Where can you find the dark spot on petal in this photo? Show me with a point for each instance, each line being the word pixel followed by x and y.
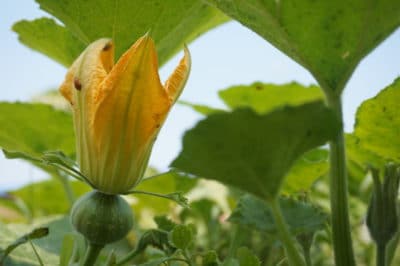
pixel 158 126
pixel 77 84
pixel 107 46
pixel 156 117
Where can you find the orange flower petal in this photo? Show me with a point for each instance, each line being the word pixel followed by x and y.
pixel 175 83
pixel 80 88
pixel 132 106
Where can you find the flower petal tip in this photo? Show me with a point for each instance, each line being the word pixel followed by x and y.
pixel 177 81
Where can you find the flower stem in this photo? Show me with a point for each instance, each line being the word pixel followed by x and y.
pixel 341 235
pixel 91 255
pixel 381 255
pixel 292 253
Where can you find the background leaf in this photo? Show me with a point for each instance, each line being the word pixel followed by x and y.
pixel 23 255
pixel 181 236
pixel 301 217
pixel 166 183
pixel 246 257
pixel 171 22
pixel 49 38
pixel 265 97
pixel 36 196
pixel 306 170
pixel 201 108
pixel 329 38
pixel 378 123
pixel 35 128
pixel 254 152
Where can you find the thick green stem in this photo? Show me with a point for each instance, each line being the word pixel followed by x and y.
pixel 292 253
pixel 381 255
pixel 341 235
pixel 91 255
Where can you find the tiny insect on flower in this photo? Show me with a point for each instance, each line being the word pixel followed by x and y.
pixel 118 110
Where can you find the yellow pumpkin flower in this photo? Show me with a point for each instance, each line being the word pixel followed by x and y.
pixel 118 110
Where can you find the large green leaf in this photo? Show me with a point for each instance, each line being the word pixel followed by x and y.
pixel 359 158
pixel 49 38
pixel 378 123
pixel 263 98
pixel 329 38
pixel 300 216
pixel 35 128
pixel 172 23
pixel 254 152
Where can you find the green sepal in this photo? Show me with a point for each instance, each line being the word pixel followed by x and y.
pixel 382 216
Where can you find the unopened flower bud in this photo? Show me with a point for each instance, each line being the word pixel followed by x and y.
pixel 382 220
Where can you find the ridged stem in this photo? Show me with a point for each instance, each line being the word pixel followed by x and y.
pixel 381 255
pixel 341 235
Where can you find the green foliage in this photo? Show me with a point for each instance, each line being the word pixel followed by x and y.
pixel 306 170
pixel 170 185
pixel 156 238
pixel 264 98
pixel 24 255
pixel 49 38
pixel 36 233
pixel 35 128
pixel 172 23
pixel 67 250
pixel 378 123
pixel 201 108
pixel 164 223
pixel 329 38
pixel 181 236
pixel 246 257
pixel 254 152
pixel 301 217
pixel 210 259
pixel 36 196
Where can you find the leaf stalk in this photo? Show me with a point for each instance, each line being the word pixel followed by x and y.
pixel 292 253
pixel 341 234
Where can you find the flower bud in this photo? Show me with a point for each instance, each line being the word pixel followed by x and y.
pixel 382 219
pixel 102 218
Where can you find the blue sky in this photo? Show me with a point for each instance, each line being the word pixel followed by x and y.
pixel 228 55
